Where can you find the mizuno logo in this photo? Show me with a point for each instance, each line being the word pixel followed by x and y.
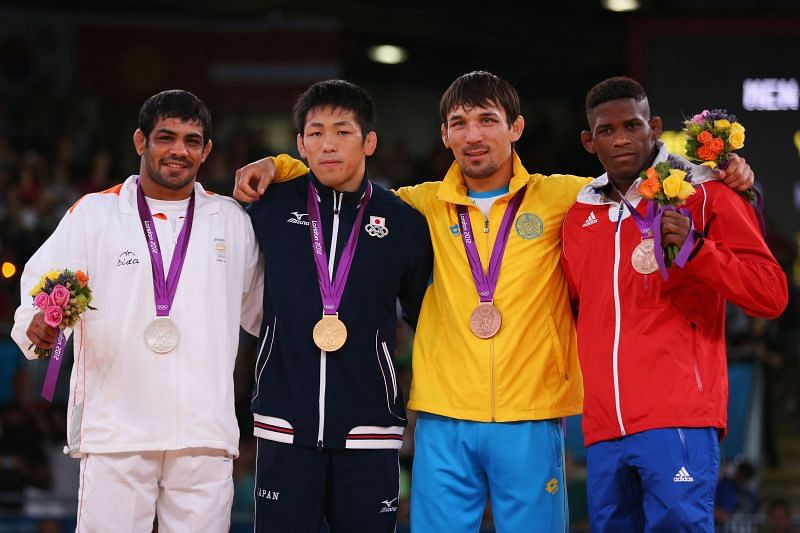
pixel 591 219
pixel 389 506
pixel 297 218
pixel 683 476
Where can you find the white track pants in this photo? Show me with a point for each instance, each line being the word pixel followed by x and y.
pixel 191 490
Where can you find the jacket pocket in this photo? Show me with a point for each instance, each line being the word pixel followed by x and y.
pixel 264 351
pixel 388 374
pixel 697 374
pixel 557 347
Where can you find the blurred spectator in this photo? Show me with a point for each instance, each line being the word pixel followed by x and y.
pixel 779 517
pixel 736 496
pixel 23 462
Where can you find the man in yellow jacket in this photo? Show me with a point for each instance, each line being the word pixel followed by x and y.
pixel 495 364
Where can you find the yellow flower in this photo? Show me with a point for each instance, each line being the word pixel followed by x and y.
pixel 686 191
pixel 672 183
pixel 722 124
pixel 52 275
pixel 736 137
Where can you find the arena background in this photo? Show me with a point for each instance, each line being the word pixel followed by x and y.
pixel 72 79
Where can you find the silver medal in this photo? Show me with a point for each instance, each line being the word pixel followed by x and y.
pixel 161 335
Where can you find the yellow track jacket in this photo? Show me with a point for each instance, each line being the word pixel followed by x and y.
pixel 529 370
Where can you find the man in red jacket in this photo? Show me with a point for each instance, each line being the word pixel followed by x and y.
pixel 652 352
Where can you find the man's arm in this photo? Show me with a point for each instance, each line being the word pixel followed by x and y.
pixel 253 284
pixel 416 278
pixel 65 248
pixel 732 257
pixel 253 179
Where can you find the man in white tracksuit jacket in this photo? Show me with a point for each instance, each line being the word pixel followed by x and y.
pixel 154 430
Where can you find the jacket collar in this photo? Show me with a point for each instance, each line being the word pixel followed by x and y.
pixel 453 189
pixel 594 193
pixel 326 194
pixel 204 203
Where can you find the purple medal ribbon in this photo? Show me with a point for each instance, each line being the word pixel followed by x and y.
pixel 56 355
pixel 650 226
pixel 486 282
pixel 331 291
pixel 164 290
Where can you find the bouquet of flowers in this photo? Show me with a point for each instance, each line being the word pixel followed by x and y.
pixel 63 296
pixel 667 188
pixel 711 136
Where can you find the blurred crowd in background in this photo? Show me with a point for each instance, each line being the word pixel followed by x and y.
pixel 54 149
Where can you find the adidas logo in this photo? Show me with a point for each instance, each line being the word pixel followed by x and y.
pixel 591 219
pixel 683 476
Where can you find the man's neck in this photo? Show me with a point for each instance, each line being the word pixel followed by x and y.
pixel 623 184
pixel 155 191
pixel 501 178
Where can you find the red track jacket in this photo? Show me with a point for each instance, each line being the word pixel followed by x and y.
pixel 653 352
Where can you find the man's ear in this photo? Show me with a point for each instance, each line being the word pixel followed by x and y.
pixel 206 151
pixel 445 139
pixel 370 143
pixel 139 141
pixel 657 127
pixel 301 147
pixel 517 127
pixel 588 141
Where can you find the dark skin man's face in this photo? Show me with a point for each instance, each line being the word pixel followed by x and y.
pixel 623 136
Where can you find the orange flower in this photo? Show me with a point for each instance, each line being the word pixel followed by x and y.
pixel 82 277
pixel 706 153
pixel 651 185
pixel 705 136
pixel 716 144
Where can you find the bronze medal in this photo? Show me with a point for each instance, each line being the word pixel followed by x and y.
pixel 330 333
pixel 643 257
pixel 485 320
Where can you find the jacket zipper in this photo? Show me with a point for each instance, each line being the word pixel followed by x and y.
pixel 617 319
pixel 323 355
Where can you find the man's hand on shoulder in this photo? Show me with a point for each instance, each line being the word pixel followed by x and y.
pixel 738 176
pixel 253 179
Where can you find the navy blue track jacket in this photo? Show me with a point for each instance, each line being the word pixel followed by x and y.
pixel 348 398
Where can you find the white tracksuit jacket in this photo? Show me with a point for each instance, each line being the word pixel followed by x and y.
pixel 124 397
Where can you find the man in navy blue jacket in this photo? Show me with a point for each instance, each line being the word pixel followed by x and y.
pixel 339 251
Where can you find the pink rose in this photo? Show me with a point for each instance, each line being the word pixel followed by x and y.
pixel 701 117
pixel 53 316
pixel 60 296
pixel 42 300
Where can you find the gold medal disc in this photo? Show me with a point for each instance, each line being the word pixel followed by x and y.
pixel 330 333
pixel 485 320
pixel 643 257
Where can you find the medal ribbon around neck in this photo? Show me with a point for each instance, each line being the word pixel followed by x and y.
pixel 164 289
pixel 486 282
pixel 331 290
pixel 650 226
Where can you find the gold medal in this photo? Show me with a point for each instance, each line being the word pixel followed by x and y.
pixel 485 320
pixel 643 257
pixel 330 333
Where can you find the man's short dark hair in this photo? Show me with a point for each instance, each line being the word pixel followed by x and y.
pixel 616 88
pixel 337 95
pixel 479 89
pixel 175 103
